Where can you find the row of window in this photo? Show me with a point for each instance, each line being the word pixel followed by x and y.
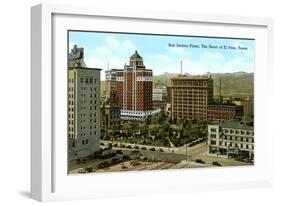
pixel 190 93
pixel 190 110
pixel 90 108
pixel 91 88
pixel 232 131
pixel 71 109
pixel 91 114
pixel 233 138
pixel 84 127
pixel 184 83
pixel 234 145
pixel 213 130
pixel 91 121
pixel 83 142
pixel 199 106
pixel 85 95
pixel 85 101
pixel 88 80
pixel 71 95
pixel 90 133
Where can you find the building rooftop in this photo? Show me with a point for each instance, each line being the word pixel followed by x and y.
pixel 136 55
pixel 215 104
pixel 242 124
pixel 113 70
pixel 187 77
pixel 84 68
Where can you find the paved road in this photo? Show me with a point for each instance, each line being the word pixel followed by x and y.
pixel 195 150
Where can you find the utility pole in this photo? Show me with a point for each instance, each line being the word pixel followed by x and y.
pixel 181 67
pixel 220 92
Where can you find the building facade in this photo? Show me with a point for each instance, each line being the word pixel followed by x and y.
pixel 110 110
pixel 160 104
pixel 111 82
pixel 134 90
pixel 83 109
pixel 169 94
pixel 190 97
pixel 232 139
pixel 248 106
pixel 159 94
pixel 110 113
pixel 220 112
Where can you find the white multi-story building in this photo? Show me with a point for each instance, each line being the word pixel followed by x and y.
pixel 83 110
pixel 232 139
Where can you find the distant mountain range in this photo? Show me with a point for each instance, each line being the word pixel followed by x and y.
pixel 238 84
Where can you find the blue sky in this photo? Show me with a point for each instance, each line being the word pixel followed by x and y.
pixel 159 54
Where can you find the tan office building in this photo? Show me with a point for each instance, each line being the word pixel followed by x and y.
pixel 191 96
pixel 83 108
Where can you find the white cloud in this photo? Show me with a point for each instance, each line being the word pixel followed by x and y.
pixel 163 57
pixel 212 56
pixel 102 51
pixel 177 50
pixel 112 44
pixel 113 51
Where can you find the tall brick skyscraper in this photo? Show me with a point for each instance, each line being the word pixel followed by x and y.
pixel 134 90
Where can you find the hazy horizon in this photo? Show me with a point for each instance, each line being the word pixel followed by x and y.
pixel 164 53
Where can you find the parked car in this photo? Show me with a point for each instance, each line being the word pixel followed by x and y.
pixel 89 169
pixel 103 165
pixel 216 164
pixel 199 161
pixel 115 160
pixel 124 167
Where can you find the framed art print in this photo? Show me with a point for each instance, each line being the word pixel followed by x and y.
pixel 138 102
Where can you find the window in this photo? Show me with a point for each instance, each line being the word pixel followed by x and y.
pixel 213 142
pixel 213 130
